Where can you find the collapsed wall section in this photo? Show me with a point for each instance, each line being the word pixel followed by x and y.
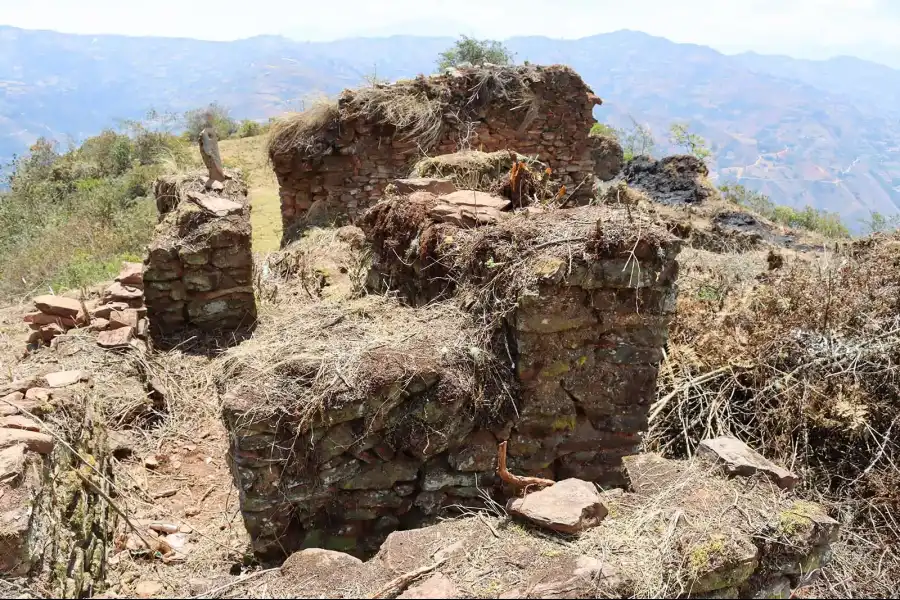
pixel 584 298
pixel 387 413
pixel 334 160
pixel 199 267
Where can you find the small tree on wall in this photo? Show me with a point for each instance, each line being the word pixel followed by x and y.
pixel 680 135
pixel 636 140
pixel 476 52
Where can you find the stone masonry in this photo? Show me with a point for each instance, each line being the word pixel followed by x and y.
pixel 199 266
pixel 342 168
pixel 586 342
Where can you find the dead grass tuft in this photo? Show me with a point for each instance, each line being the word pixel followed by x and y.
pixel 417 109
pixel 312 356
pixel 302 130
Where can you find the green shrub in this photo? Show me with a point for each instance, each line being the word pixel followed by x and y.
pixel 602 129
pixel 249 128
pixel 69 219
pixel 214 115
pixel 821 221
pixel 476 52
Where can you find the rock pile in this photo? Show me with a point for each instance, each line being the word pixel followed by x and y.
pixel 118 315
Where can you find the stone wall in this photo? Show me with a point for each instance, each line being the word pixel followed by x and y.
pixel 54 524
pixel 199 267
pixel 585 341
pixel 681 530
pixel 341 168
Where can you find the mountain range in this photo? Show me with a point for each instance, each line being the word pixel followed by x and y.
pixel 824 133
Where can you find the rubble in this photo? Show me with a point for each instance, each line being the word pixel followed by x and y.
pixel 680 538
pixel 120 306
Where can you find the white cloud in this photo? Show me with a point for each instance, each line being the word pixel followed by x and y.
pixel 790 26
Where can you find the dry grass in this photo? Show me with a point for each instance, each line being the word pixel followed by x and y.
pixel 418 109
pixel 470 169
pixel 301 130
pixel 416 114
pixel 800 362
pixel 331 354
pixel 497 266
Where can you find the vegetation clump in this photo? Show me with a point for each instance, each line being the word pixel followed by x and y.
pixel 69 219
pixel 813 219
pixel 474 52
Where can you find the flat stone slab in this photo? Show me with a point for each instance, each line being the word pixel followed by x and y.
pixel 123 318
pixel 19 422
pixel 739 459
pixel 436 586
pixel 221 207
pixel 12 462
pixel 472 199
pixel 649 473
pixel 424 184
pixel 32 440
pixel 119 292
pixel 132 273
pixel 115 338
pixel 569 506
pixel 57 305
pixel 65 378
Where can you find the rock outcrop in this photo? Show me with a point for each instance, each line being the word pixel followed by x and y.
pixel 679 179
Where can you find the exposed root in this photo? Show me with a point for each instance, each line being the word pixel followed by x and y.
pixel 517 481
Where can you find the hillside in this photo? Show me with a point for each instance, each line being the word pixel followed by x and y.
pixel 805 132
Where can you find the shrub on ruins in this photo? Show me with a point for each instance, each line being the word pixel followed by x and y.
pixel 603 130
pixel 475 52
pixel 248 128
pixel 636 140
pixel 68 219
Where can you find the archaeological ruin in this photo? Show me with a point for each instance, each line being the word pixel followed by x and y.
pixel 199 267
pixel 556 352
pixel 334 160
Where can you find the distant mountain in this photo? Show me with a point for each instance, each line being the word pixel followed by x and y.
pixel 825 133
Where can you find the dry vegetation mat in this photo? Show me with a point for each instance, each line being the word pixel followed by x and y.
pixel 800 361
pixel 415 108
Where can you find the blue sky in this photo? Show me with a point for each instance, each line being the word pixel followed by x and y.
pixel 803 28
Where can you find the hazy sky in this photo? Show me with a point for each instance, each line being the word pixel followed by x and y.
pixel 798 27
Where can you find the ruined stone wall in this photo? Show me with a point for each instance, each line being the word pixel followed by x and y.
pixel 343 169
pixel 54 524
pixel 199 266
pixel 586 341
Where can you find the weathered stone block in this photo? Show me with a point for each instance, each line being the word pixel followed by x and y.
pixel 200 256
